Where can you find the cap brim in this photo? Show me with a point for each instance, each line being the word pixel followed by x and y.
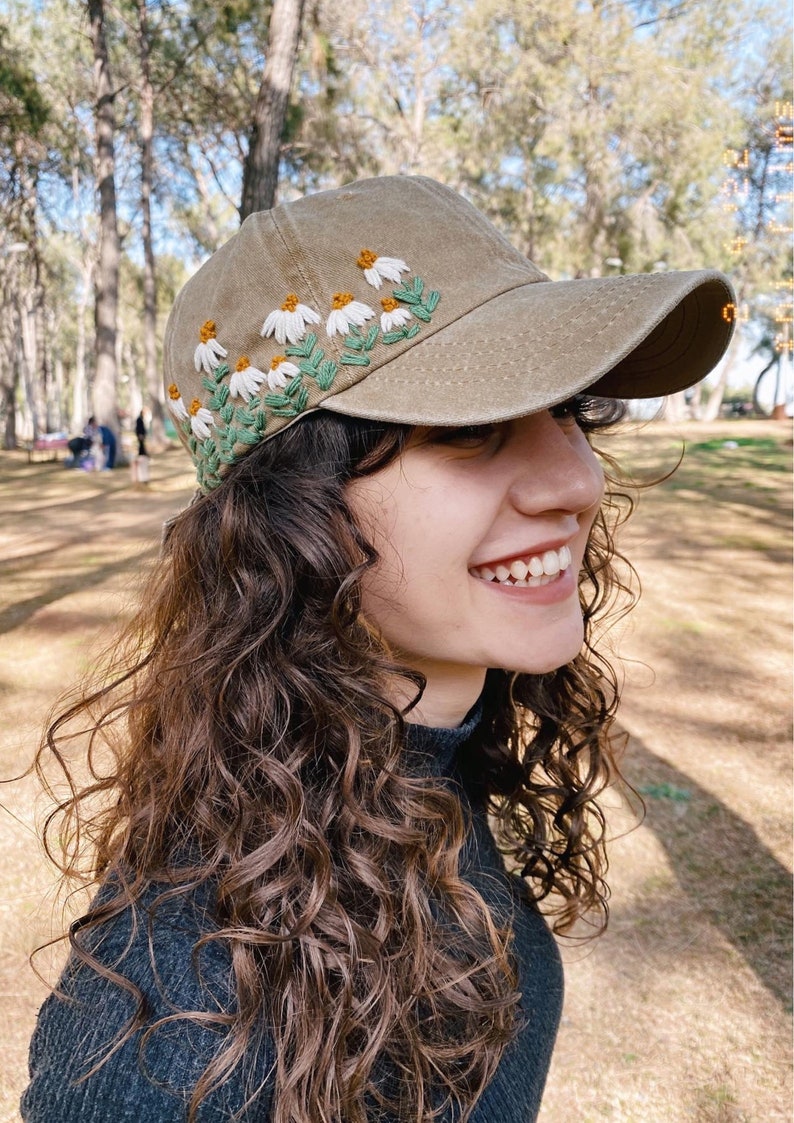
pixel 638 336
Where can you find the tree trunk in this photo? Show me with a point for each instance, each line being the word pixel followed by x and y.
pixel 107 279
pixel 153 383
pixel 260 172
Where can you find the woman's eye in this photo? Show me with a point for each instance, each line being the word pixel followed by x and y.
pixel 465 436
pixel 570 410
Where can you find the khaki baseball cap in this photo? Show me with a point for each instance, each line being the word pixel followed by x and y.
pixel 395 299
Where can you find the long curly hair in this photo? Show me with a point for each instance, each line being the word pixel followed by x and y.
pixel 242 740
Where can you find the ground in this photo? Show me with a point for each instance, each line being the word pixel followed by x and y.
pixel 681 1011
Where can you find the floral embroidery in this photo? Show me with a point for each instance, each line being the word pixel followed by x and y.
pixel 209 351
pixel 347 312
pixel 379 269
pixel 289 321
pixel 175 403
pixel 246 379
pixel 393 316
pixel 281 372
pixel 246 405
pixel 200 420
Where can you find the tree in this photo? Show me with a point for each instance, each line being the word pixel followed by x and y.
pixel 260 170
pixel 107 276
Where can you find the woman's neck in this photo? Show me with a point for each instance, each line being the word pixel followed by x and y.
pixel 449 695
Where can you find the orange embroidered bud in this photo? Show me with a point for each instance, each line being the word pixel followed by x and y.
pixel 173 392
pixel 389 304
pixel 290 302
pixel 243 362
pixel 366 259
pixel 207 331
pixel 195 406
pixel 277 360
pixel 341 300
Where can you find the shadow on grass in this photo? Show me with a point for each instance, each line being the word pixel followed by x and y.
pixel 721 864
pixel 20 612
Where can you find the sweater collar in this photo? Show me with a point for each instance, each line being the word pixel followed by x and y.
pixel 432 751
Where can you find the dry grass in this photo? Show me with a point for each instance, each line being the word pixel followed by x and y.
pixel 681 1011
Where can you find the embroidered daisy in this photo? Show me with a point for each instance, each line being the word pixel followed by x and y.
pixel 289 321
pixel 246 379
pixel 281 372
pixel 380 269
pixel 347 311
pixel 175 403
pixel 393 316
pixel 200 420
pixel 209 352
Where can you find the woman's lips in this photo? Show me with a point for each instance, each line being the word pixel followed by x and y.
pixel 526 571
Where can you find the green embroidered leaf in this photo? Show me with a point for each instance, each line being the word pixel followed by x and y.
pixel 286 411
pixel 372 336
pixel 355 343
pixel 228 457
pixel 208 384
pixel 219 398
pixel 244 416
pixel 302 399
pixel 248 437
pixel 260 420
pixel 192 444
pixel 209 446
pixel 418 285
pixel 292 387
pixel 226 413
pixel 421 313
pixel 308 367
pixel 407 296
pixel 394 336
pixel 302 350
pixel 433 298
pixel 413 330
pixel 354 360
pixel 277 401
pixel 326 374
pixel 221 370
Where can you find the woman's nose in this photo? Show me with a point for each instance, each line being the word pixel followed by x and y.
pixel 556 469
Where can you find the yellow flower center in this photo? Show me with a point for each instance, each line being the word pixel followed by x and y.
pixel 243 363
pixel 173 392
pixel 290 303
pixel 195 406
pixel 277 360
pixel 341 300
pixel 388 304
pixel 366 259
pixel 207 331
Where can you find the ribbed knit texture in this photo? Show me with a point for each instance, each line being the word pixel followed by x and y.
pixel 73 1033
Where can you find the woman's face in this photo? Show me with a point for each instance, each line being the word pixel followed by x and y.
pixel 481 533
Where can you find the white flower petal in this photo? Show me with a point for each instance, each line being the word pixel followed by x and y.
pixel 337 323
pixel 243 383
pixel 372 277
pixel 200 422
pixel 177 407
pixel 394 319
pixel 390 268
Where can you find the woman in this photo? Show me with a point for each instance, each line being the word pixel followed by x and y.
pixel 372 630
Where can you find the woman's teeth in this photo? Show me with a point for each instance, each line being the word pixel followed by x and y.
pixel 539 569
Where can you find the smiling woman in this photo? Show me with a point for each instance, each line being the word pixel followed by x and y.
pixel 364 683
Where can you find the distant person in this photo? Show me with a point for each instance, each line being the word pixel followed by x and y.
pixel 103 436
pixel 140 433
pixel 363 724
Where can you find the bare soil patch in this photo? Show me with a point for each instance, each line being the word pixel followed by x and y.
pixel 681 1012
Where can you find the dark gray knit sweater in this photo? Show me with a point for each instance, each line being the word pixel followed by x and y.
pixel 153 1085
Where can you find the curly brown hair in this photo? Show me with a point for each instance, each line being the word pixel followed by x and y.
pixel 243 740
